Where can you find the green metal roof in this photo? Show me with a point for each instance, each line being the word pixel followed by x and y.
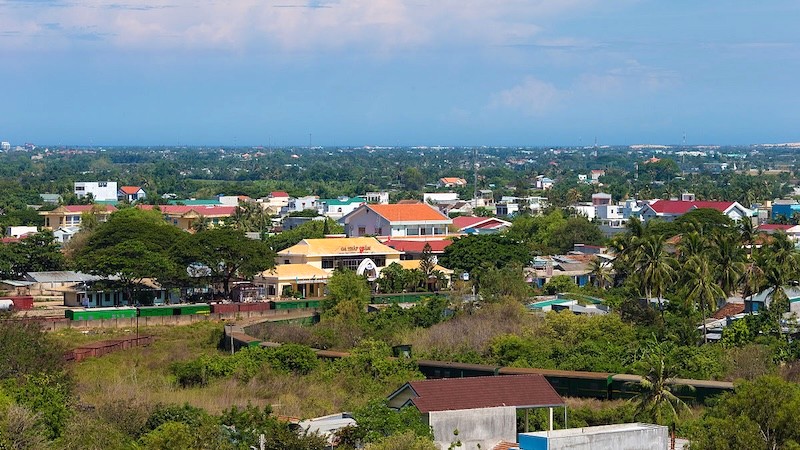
pixel 544 303
pixel 337 202
pixel 196 202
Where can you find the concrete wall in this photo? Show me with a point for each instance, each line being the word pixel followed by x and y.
pixel 486 426
pixel 53 324
pixel 649 437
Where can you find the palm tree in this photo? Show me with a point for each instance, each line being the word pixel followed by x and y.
pixel 701 287
pixel 747 235
pixel 624 247
pixel 729 257
pixel 691 246
pixel 655 268
pixel 656 399
pixel 600 272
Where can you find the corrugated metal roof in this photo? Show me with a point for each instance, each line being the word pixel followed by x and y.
pixel 61 276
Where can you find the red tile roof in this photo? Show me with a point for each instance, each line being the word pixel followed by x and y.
pixel 85 208
pixel 437 246
pixel 453 180
pixel 276 194
pixel 503 445
pixel 774 227
pixel 484 392
pixel 205 210
pixel 408 213
pixel 463 222
pixel 730 309
pixel 130 190
pixel 682 207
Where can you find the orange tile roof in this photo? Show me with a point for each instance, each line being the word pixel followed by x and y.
pixel 503 445
pixel 408 212
pixel 130 190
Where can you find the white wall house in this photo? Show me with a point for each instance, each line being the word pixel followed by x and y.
pixel 439 197
pixel 669 210
pixel 396 220
pixel 300 204
pixel 103 191
pixel 336 208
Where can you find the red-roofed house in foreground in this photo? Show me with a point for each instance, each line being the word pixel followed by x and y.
pixel 482 409
pixel 416 220
pixel 669 210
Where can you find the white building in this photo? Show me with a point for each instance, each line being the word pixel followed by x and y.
pixel 381 198
pixel 439 197
pixel 5 146
pixel 300 204
pixel 624 436
pixel 102 191
pixel 17 232
pixel 336 208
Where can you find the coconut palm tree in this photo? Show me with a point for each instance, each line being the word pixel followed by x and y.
pixel 729 258
pixel 747 235
pixel 655 268
pixel 600 273
pixel 701 288
pixel 656 399
pixel 692 245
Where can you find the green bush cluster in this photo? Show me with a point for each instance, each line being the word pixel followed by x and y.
pixel 245 364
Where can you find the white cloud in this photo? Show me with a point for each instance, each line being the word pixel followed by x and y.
pixel 280 24
pixel 532 96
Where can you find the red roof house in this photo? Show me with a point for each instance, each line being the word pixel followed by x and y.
pixel 483 409
pixel 669 210
pixel 130 193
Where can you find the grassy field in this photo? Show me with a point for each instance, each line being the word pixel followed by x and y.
pixel 142 376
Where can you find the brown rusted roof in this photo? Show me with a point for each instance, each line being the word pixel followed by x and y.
pixel 503 445
pixel 484 392
pixel 730 309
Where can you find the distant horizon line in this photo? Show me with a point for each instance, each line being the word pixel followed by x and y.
pixel 654 146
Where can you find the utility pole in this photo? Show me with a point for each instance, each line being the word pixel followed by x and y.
pixel 475 176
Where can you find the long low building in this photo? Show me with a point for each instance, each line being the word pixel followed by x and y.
pixel 304 268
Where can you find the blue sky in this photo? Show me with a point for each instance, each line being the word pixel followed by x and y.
pixel 399 72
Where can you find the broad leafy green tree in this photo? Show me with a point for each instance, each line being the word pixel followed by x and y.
pixel 227 253
pixel 133 245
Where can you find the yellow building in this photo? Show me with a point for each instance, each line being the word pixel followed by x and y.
pixel 306 266
pixel 71 215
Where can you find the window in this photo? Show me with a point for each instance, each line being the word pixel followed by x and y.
pixel 412 231
pixel 327 263
pixel 102 184
pixel 423 231
pixel 80 188
pixel 379 231
pixel 362 231
pixel 286 261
